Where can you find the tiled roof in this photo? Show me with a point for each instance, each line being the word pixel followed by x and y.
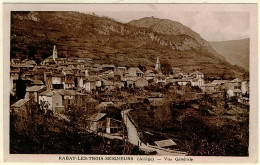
pixel 20 103
pixel 34 88
pixel 219 82
pixel 165 143
pixel 37 82
pixel 96 117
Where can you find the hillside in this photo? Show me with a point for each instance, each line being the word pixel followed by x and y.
pixel 235 51
pixel 169 27
pixel 33 35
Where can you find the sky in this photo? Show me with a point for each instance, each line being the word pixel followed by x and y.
pixel 212 22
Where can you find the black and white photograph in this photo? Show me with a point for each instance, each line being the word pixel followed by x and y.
pixel 131 79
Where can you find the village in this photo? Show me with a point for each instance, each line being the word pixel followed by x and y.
pixel 103 95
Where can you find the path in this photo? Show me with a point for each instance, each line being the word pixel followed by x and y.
pixel 133 138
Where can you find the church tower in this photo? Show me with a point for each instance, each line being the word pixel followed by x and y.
pixel 55 52
pixel 158 64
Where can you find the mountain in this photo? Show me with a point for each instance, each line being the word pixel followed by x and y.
pixel 105 40
pixel 169 27
pixel 235 51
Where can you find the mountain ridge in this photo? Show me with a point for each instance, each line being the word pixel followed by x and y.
pixel 166 26
pixel 235 51
pixel 33 35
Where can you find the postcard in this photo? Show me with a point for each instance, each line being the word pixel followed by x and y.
pixel 130 83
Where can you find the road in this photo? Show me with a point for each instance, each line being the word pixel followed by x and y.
pixel 133 138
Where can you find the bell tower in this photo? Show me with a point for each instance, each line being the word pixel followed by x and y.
pixel 55 52
pixel 158 64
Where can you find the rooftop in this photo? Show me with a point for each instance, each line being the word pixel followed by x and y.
pixel 165 143
pixel 96 116
pixel 34 88
pixel 20 103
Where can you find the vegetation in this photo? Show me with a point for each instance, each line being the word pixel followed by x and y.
pixel 107 41
pixel 201 126
pixel 42 133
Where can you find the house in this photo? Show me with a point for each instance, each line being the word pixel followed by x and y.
pixel 33 92
pixel 108 85
pixel 46 100
pixel 127 77
pixel 197 82
pixel 57 99
pixel 121 68
pixel 23 109
pixel 39 72
pixel 140 82
pixel 79 80
pixel 100 122
pixel 208 88
pixel 106 67
pixel 91 103
pixel 97 122
pixel 20 106
pixel 155 100
pixel 71 96
pixel 114 126
pixel 57 81
pixel 160 79
pixel 68 84
pixel 218 82
pixel 234 84
pixel 185 75
pixel 108 72
pixel 37 82
pixel 165 143
pixel 245 87
pixel 135 72
pixel 118 75
pixel 104 105
pixel 48 79
pixel 197 74
pixel 149 75
pixel 237 93
pixel 89 84
pixel 181 82
pixel 60 60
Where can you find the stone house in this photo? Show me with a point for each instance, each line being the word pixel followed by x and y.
pixel 149 75
pixel 135 72
pixel 54 99
pixel 160 79
pixel 33 92
pixel 106 67
pixel 96 123
pixel 197 82
pixel 100 122
pixel 89 84
pixel 20 106
pixel 140 82
pixel 208 88
pixel 105 105
pixel 57 81
pixel 197 74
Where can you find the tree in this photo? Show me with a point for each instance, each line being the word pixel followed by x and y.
pixel 20 88
pixel 166 68
pixel 142 68
pixel 162 115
